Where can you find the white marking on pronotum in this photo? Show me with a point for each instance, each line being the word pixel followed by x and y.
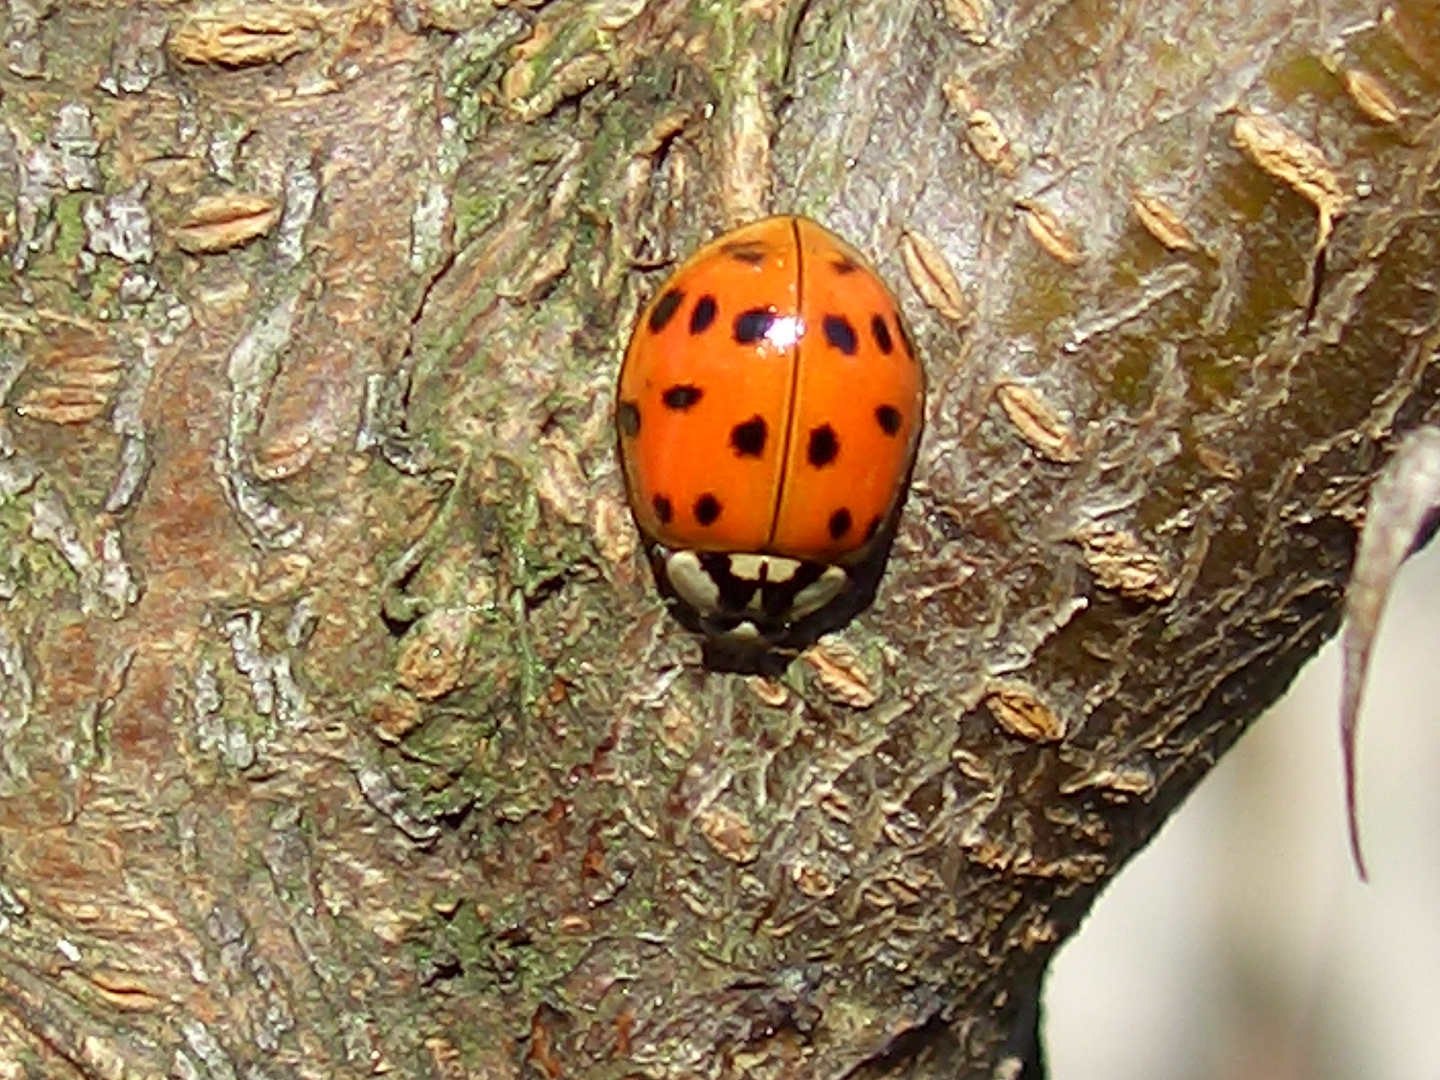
pixel 819 593
pixel 689 579
pixel 771 568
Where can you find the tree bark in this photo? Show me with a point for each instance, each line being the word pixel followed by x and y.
pixel 341 730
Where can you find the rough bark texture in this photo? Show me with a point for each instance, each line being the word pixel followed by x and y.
pixel 340 729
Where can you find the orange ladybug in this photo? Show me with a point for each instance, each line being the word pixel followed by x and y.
pixel 768 412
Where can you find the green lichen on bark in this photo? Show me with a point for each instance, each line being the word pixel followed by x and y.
pixel 337 715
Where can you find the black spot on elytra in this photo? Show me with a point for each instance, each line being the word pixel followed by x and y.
pixel 751 254
pixel 663 510
pixel 752 325
pixel 881 333
pixel 748 438
pixel 704 314
pixel 707 509
pixel 682 397
pixel 824 446
pixel 840 334
pixel 840 523
pixel 664 310
pixel 627 419
pixel 889 419
pixel 872 529
pixel 844 265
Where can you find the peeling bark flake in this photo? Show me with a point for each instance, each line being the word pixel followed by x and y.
pixel 842 678
pixel 434 654
pixel 222 222
pixel 1053 237
pixel 1295 162
pixel 990 143
pixel 930 272
pixel 1038 424
pixel 238 36
pixel 728 833
pixel 1121 564
pixel 973 18
pixel 1162 222
pixel 1020 710
pixel 1372 96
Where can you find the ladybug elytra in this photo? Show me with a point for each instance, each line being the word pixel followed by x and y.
pixel 768 412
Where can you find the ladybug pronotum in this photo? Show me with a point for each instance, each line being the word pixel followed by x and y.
pixel 768 412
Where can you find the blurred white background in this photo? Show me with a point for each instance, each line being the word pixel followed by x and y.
pixel 1241 945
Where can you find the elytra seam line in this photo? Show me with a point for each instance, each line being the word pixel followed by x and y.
pixel 793 418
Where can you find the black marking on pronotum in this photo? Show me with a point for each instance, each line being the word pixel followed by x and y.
pixel 840 522
pixel 664 310
pixel 881 333
pixel 752 325
pixel 889 419
pixel 663 510
pixel 840 334
pixel 627 418
pixel 777 600
pixel 704 314
pixel 823 448
pixel 682 397
pixel 748 439
pixel 735 591
pixel 753 254
pixel 707 509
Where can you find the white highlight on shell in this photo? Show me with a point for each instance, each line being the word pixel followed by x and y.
pixel 785 331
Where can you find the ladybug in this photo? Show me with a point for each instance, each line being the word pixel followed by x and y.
pixel 768 412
